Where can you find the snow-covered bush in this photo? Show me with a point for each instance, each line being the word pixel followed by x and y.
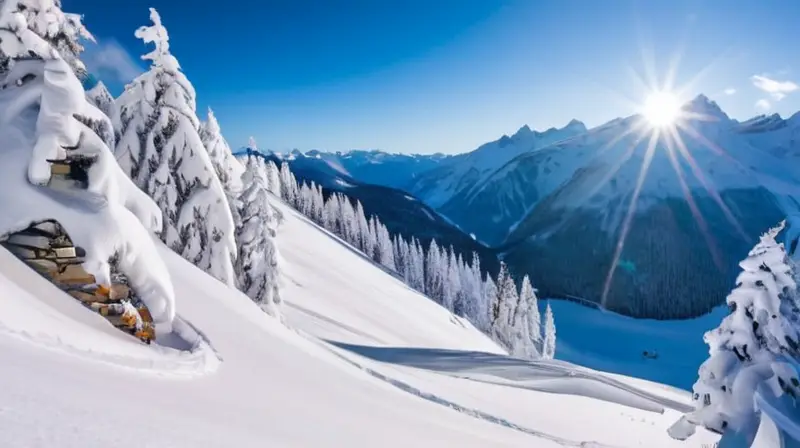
pixel 40 98
pixel 258 262
pixel 752 348
pixel 159 147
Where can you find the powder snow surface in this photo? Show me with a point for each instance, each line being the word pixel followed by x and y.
pixel 367 362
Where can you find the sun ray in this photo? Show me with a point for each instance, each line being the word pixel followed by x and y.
pixel 691 85
pixel 709 187
pixel 615 168
pixel 636 127
pixel 672 140
pixel 648 157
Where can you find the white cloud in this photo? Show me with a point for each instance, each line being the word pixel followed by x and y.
pixel 776 89
pixel 730 91
pixel 109 61
pixel 763 105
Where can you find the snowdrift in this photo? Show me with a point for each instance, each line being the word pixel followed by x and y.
pixel 365 361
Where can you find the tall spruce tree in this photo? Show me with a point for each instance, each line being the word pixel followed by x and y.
pixel 755 346
pixel 258 261
pixel 160 148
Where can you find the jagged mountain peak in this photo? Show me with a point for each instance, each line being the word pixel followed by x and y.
pixel 524 131
pixel 706 107
pixel 576 125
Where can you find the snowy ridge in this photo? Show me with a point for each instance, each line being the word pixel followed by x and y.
pixel 458 175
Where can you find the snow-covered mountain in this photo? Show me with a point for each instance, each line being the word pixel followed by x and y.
pixel 560 210
pixel 374 167
pixel 366 362
pixel 459 175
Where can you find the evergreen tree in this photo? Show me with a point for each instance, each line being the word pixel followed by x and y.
pixel 400 260
pixel 258 259
pixel 160 148
pixel 434 283
pixel 522 337
pixel 288 185
pixel 534 330
pixel 228 170
pixel 549 344
pixel 476 303
pixel 452 281
pixel 274 179
pixel 487 313
pixel 503 308
pixel 102 99
pixel 63 31
pixel 385 250
pixel 754 346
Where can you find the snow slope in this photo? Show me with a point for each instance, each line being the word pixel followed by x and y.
pixel 367 363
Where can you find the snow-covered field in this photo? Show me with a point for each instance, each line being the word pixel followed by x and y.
pixel 678 343
pixel 365 361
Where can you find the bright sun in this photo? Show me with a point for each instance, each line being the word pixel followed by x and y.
pixel 661 108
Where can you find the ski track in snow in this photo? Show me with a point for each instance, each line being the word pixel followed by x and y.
pixel 480 415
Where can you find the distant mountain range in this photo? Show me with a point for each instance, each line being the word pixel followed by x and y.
pixel 399 211
pixel 554 203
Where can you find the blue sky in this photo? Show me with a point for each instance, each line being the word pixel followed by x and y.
pixel 447 75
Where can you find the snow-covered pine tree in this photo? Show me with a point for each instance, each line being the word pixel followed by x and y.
pixel 274 179
pixel 476 306
pixel 534 329
pixel 399 256
pixel 503 308
pixel 384 247
pixel 453 282
pixel 228 170
pixel 549 343
pixel 490 295
pixel 288 185
pixel 417 264
pixel 365 243
pixel 434 281
pixel 317 203
pixel 522 337
pixel 373 238
pixel 258 261
pixel 304 199
pixel 754 346
pixel 465 287
pixel 101 98
pixel 63 31
pixel 330 214
pixel 159 146
pixel 348 220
